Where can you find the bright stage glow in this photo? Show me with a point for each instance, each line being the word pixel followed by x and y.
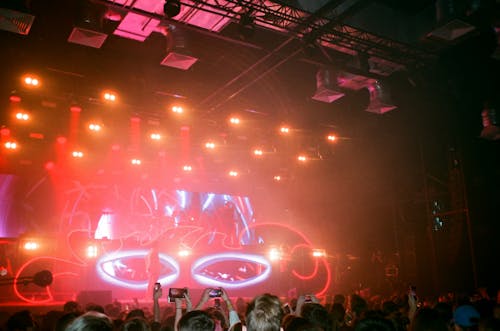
pixel 22 116
pixel 234 120
pixel 274 254
pixel 331 138
pixel 258 152
pixel 61 140
pixel 202 273
pixel 109 96
pixel 114 267
pixel 184 252
pixel 31 245
pixel 77 154
pixel 135 162
pixel 302 158
pixel 233 173
pixel 210 145
pixel 177 109
pixel 318 252
pixel 95 127
pixel 92 251
pixel 31 81
pixel 155 136
pixel 75 109
pixel 187 168
pixel 277 178
pixel 11 145
pixel 284 129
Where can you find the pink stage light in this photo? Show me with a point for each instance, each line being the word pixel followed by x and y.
pixel 318 252
pixel 210 145
pixel 31 245
pixel 184 252
pixel 233 173
pixel 187 168
pixel 302 158
pixel 15 98
pixel 61 140
pixel 136 162
pixel 275 254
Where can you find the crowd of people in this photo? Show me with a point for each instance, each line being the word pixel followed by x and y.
pixel 216 311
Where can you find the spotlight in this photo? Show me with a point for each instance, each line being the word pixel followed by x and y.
pixel 172 8
pixel 187 168
pixel 302 158
pixel 284 130
pixel 136 162
pixel 234 120
pixel 210 145
pixel 331 138
pixel 155 136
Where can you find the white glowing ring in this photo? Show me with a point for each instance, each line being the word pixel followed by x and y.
pixel 211 259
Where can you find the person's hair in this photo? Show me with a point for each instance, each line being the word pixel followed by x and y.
pixel 135 324
pixel 65 320
pixel 72 307
pixel 428 319
pixel 301 324
pixel 91 321
pixel 264 313
pixel 21 320
pixel 134 313
pixel 374 324
pixel 317 315
pixel 196 320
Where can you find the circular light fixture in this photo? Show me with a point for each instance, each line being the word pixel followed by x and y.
pixel 172 8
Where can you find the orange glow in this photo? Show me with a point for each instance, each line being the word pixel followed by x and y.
pixel 155 136
pixel 11 145
pixel 210 145
pixel 136 161
pixel 285 129
pixel 277 178
pixel 258 152
pixel 77 154
pixel 75 109
pixel 331 138
pixel 109 96
pixel 234 120
pixel 61 140
pixel 31 245
pixel 31 81
pixel 95 127
pixel 318 252
pixel 22 116
pixel 177 109
pixel 302 158
pixel 233 173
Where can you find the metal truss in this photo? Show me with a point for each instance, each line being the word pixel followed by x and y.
pixel 318 27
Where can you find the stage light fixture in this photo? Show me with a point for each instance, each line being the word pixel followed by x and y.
pixel 234 120
pixel 187 168
pixel 318 253
pixel 171 8
pixel 109 96
pixel 22 116
pixel 302 158
pixel 210 145
pixel 233 173
pixel 177 109
pixel 135 162
pixel 95 127
pixel 155 136
pixel 11 145
pixel 183 252
pixel 275 254
pixel 31 81
pixel 331 138
pixel 31 245
pixel 91 251
pixel 258 152
pixel 14 98
pixel 277 178
pixel 77 154
pixel 284 129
